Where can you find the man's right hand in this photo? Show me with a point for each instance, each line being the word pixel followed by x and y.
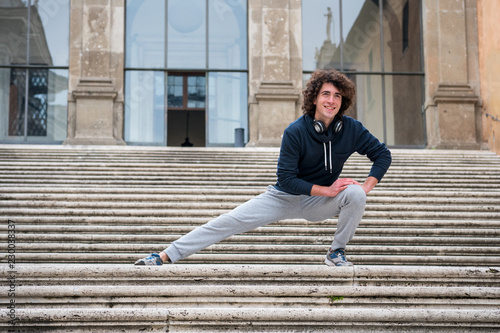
pixel 331 191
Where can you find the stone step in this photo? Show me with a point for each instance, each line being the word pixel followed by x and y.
pixel 175 221
pixel 229 202
pixel 358 275
pixel 478 259
pixel 364 234
pixel 425 213
pixel 263 234
pixel 124 168
pixel 256 166
pixel 45 240
pixel 426 254
pixel 233 297
pixel 224 195
pixel 308 282
pixel 250 320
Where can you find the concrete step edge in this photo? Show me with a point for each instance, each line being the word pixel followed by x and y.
pixel 238 291
pixel 278 271
pixel 230 316
pixel 270 249
pixel 263 258
pixel 26 241
pixel 272 231
pixel 194 221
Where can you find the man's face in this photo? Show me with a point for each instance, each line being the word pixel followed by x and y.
pixel 327 103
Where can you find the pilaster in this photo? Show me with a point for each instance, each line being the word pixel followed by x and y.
pixel 95 98
pixel 275 70
pixel 452 96
pixel 455 107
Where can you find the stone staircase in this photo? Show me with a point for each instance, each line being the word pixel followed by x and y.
pixel 426 255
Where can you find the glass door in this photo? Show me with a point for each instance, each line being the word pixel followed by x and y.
pixel 186 114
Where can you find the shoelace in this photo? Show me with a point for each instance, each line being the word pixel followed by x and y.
pixel 340 254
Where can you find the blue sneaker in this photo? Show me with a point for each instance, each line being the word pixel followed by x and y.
pixel 336 258
pixel 152 260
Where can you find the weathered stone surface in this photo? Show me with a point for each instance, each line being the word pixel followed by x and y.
pixel 426 254
pixel 95 98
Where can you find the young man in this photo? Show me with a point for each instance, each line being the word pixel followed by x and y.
pixel 313 152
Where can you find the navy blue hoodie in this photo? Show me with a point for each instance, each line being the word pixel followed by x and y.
pixel 308 158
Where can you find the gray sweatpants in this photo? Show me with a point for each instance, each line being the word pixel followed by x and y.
pixel 272 206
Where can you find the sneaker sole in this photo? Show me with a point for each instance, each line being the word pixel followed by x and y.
pixel 330 263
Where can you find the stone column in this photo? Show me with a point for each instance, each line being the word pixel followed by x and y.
pixel 489 68
pixel 275 68
pixel 451 57
pixel 95 99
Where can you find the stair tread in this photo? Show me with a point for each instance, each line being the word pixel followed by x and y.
pixel 426 252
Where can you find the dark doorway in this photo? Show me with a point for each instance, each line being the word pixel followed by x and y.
pixel 186 115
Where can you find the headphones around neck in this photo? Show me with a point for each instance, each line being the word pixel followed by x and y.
pixel 320 127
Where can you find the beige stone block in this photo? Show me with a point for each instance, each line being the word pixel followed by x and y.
pixel 458 123
pixel 455 123
pixel 92 120
pixel 275 110
pixel 276 46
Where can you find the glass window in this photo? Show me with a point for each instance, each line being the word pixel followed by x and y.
pixel 405 121
pixel 57 104
pixel 144 107
pixel 361 35
pixel 42 115
pixel 33 101
pixel 227 34
pixel 191 41
pixel 321 34
pixel 13 28
pixel 344 42
pixel 16 92
pixel 402 45
pixel 388 104
pixel 5 91
pixel 196 88
pixel 145 34
pixel 227 107
pixel 49 31
pixel 368 107
pixel 186 39
pixel 175 91
pixel 186 91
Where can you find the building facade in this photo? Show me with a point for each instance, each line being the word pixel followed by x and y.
pixel 226 72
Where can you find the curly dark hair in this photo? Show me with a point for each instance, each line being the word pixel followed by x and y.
pixel 340 81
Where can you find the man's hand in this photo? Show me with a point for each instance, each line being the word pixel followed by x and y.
pixel 331 191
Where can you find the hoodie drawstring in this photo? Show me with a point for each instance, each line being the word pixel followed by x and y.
pixel 324 146
pixel 331 164
pixel 326 158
